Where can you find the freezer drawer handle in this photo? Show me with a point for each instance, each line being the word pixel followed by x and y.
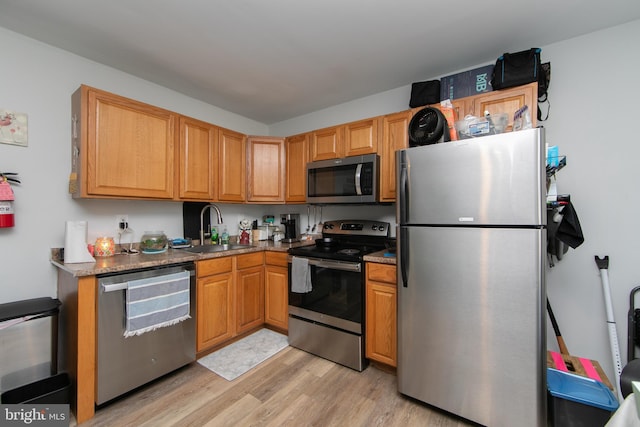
pixel 404 255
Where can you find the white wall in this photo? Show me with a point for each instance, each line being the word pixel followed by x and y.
pixel 38 80
pixel 594 109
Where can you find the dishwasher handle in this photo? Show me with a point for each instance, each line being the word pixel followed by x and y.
pixel 113 287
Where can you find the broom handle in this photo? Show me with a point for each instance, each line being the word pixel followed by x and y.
pixel 556 328
pixel 603 265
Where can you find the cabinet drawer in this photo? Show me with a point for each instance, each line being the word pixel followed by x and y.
pixel 381 272
pixel 250 260
pixel 213 266
pixel 276 258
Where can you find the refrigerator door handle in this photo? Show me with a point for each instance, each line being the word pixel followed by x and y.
pixel 403 189
pixel 403 201
pixel 404 255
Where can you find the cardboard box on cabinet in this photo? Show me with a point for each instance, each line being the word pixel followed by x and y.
pixel 467 83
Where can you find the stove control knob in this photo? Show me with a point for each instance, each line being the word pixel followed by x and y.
pixel 381 228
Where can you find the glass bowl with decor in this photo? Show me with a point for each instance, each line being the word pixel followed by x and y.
pixel 153 242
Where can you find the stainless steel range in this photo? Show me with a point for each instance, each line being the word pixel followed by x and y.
pixel 327 292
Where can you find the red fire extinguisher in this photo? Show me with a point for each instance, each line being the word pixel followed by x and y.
pixel 6 200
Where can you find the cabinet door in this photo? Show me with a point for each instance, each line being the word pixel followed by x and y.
pixel 129 147
pixel 214 310
pixel 196 160
pixel 297 151
pixel 276 307
pixel 327 143
pixel 361 137
pixel 250 298
pixel 265 169
pixel 381 314
pixel 395 136
pixel 232 156
pixel 508 101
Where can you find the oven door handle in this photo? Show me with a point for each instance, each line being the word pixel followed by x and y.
pixel 336 265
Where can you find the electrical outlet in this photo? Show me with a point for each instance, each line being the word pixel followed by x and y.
pixel 122 222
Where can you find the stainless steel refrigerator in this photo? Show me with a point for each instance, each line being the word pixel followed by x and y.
pixel 471 277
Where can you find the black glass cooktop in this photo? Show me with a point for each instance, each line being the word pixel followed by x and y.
pixel 347 240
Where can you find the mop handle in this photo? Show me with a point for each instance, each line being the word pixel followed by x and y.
pixel 603 265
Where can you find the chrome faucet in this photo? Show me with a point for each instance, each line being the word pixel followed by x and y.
pixel 217 209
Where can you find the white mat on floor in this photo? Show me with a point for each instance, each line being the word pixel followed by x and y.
pixel 235 359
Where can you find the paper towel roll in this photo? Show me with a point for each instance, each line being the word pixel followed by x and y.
pixel 75 243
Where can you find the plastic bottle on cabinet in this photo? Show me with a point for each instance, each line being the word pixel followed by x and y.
pixel 214 235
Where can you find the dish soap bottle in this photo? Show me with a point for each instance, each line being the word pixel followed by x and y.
pixel 224 239
pixel 214 235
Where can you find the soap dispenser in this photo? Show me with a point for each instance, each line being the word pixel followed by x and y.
pixel 224 238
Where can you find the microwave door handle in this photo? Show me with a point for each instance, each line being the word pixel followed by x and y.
pixel 358 178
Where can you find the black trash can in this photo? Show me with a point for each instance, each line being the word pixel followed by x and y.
pixel 29 352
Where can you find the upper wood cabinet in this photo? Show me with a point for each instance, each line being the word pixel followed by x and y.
pixel 361 137
pixel 232 159
pixel 121 148
pixel 395 136
pixel 297 156
pixel 327 143
pixel 508 101
pixel 197 160
pixel 130 150
pixel 265 169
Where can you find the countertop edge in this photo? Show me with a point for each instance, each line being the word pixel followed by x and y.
pixel 125 262
pixel 380 258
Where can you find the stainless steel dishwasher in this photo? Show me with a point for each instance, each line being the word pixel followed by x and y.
pixel 126 363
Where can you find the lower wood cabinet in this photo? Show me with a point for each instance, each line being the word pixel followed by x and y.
pixel 381 313
pixel 249 291
pixel 276 290
pixel 230 298
pixel 214 302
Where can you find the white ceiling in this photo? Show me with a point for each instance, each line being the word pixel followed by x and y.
pixel 274 60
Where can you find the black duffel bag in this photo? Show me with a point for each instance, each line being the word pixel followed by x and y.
pixel 520 68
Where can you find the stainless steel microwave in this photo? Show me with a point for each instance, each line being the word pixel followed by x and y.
pixel 347 180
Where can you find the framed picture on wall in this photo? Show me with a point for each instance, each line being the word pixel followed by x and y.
pixel 13 127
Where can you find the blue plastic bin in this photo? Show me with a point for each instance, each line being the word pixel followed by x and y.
pixel 576 401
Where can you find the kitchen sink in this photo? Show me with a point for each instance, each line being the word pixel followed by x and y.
pixel 205 249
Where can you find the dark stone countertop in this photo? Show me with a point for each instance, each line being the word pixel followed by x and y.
pixel 380 257
pixel 124 262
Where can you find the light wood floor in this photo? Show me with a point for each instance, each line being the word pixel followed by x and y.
pixel 293 388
